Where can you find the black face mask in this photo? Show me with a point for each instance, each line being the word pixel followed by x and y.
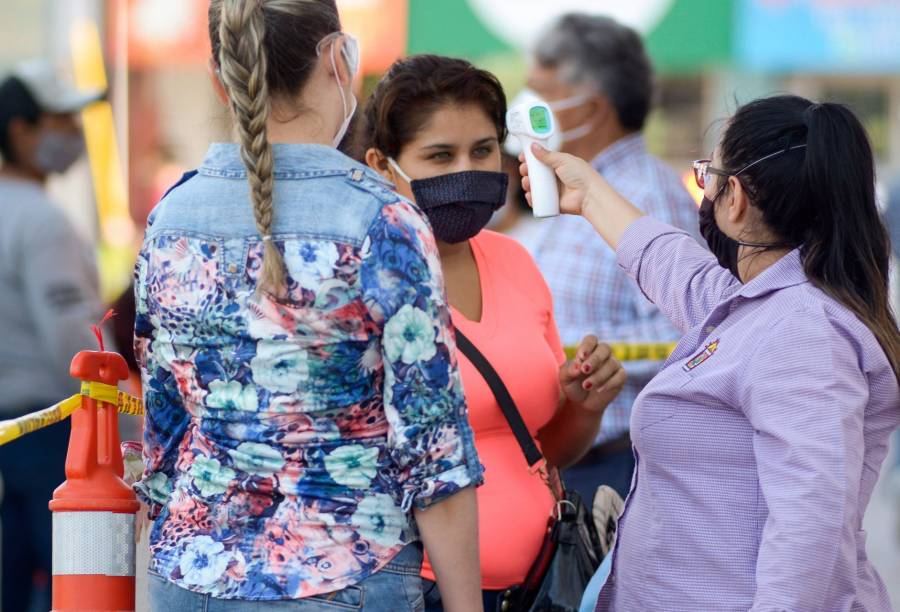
pixel 460 204
pixel 725 248
pixel 722 246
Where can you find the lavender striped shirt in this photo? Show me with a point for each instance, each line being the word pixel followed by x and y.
pixel 758 445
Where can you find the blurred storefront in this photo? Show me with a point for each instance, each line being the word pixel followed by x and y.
pixel 710 55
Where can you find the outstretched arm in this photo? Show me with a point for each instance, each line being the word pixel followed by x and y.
pixel 674 272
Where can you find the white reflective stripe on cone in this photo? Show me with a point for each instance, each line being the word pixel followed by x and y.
pixel 93 543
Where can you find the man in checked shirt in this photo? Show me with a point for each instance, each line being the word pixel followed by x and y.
pixel 597 78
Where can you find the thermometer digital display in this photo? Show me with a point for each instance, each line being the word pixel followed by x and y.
pixel 533 122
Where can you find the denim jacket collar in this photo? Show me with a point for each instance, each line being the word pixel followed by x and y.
pixel 297 161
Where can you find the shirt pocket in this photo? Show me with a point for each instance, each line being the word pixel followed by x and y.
pixel 661 398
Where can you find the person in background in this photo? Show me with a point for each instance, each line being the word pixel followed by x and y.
pixel 306 430
pixel 892 220
pixel 597 78
pixel 49 298
pixel 759 444
pixel 434 127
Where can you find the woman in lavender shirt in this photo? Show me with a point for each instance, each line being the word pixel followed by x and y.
pixel 760 442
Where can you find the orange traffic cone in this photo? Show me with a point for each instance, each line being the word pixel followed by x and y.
pixel 93 511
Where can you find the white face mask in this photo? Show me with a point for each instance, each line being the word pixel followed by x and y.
pixel 350 51
pixel 399 170
pixel 558 138
pixel 579 131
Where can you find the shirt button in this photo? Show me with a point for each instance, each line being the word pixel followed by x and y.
pixel 710 329
pixel 232 268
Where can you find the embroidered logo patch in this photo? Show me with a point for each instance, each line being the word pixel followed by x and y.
pixel 705 354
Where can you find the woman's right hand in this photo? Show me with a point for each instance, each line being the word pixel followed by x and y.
pixel 582 191
pixel 574 174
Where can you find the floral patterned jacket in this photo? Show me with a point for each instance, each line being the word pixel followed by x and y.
pixel 287 439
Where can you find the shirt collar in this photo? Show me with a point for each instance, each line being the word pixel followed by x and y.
pixel 622 149
pixel 224 159
pixel 786 272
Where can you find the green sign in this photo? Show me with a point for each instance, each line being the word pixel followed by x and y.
pixel 693 34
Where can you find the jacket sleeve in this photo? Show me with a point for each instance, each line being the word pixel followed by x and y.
pixel 430 438
pixel 166 420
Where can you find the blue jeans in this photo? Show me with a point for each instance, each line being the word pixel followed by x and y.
pixel 490 599
pixel 592 591
pixel 395 588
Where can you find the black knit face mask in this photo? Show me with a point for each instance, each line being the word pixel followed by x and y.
pixel 720 244
pixel 460 204
pixel 724 247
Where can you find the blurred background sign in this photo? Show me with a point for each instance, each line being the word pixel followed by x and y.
pixel 381 27
pixel 709 56
pixel 851 36
pixel 520 23
pixel 164 32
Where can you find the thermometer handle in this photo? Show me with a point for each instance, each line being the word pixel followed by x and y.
pixel 544 193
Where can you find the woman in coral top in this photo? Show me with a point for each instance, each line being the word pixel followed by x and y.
pixel 434 128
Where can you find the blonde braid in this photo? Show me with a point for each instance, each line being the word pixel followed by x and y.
pixel 243 65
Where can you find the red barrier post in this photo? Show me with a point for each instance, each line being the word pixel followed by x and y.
pixel 93 510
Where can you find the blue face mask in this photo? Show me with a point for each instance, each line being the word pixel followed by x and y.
pixel 458 205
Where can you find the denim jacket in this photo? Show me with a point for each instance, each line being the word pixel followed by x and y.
pixel 288 438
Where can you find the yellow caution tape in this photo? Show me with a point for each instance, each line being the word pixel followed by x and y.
pixel 100 392
pixel 126 403
pixel 129 404
pixel 653 351
pixel 13 429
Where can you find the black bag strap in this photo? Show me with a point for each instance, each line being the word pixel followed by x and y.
pixel 507 405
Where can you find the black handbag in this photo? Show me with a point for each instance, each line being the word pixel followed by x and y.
pixel 571 551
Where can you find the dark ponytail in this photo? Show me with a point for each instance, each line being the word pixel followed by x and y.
pixel 820 198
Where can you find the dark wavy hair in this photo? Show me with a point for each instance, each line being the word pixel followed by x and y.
pixel 820 198
pixel 415 87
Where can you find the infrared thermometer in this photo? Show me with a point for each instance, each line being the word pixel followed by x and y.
pixel 533 122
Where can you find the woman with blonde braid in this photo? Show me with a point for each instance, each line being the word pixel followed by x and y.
pixel 306 427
